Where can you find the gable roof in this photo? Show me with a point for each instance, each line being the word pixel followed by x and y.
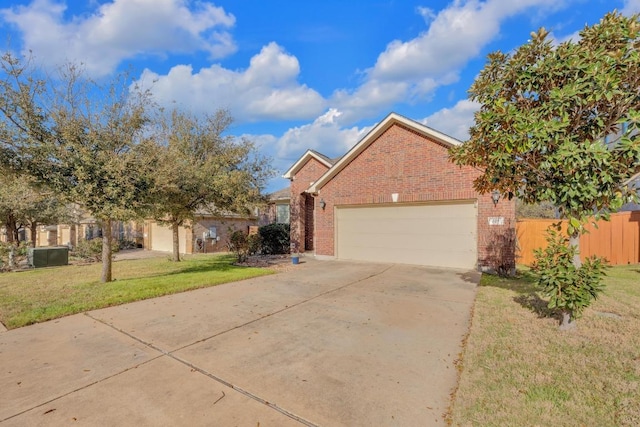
pixel 282 194
pixel 309 154
pixel 379 129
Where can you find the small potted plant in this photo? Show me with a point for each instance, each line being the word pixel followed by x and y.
pixel 295 255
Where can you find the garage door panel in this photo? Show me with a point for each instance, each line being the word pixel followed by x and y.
pixel 162 238
pixel 437 234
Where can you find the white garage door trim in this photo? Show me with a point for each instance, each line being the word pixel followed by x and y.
pixel 434 234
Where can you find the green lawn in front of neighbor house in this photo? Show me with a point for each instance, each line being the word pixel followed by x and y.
pixel 33 296
pixel 519 369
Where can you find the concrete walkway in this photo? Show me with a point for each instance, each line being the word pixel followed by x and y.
pixel 328 343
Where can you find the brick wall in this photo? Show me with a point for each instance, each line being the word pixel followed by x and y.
pixel 303 178
pixel 224 227
pixel 309 212
pixel 417 169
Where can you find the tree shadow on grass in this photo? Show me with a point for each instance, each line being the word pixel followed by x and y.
pixel 523 284
pixel 538 306
pixel 218 264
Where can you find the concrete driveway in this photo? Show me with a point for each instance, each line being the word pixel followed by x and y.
pixel 328 343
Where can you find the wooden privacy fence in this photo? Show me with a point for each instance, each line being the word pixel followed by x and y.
pixel 617 240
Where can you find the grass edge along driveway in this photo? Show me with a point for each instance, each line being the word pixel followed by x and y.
pixel 518 369
pixel 33 296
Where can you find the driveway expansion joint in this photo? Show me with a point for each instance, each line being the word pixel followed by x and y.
pixel 288 307
pixel 214 377
pixel 198 369
pixel 86 386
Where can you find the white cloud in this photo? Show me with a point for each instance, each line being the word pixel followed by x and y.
pixel 414 69
pixel 427 14
pixel 454 121
pixel 324 135
pixel 631 7
pixel 121 29
pixel 266 90
pixel 573 37
pixel 369 98
pixel 455 35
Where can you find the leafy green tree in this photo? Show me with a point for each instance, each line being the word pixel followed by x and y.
pixel 24 204
pixel 559 124
pixel 202 169
pixel 86 141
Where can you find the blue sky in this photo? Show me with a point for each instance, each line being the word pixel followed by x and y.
pixel 297 74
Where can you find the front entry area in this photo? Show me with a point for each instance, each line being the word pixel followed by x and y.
pixel 438 234
pixel 309 216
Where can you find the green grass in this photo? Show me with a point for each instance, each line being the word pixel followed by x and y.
pixel 43 294
pixel 519 369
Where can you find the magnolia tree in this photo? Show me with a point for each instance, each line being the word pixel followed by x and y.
pixel 558 123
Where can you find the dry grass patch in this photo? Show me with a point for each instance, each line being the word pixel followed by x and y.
pixel 33 296
pixel 518 369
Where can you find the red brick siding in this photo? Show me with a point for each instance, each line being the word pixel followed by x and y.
pixel 418 169
pixel 224 228
pixel 309 220
pixel 303 178
pixel 267 214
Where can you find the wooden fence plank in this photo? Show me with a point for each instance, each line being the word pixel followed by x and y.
pixel 617 240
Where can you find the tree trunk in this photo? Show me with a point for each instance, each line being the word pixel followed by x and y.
pixel 567 315
pixel 567 322
pixel 12 256
pixel 12 229
pixel 106 251
pixel 34 229
pixel 574 240
pixel 175 228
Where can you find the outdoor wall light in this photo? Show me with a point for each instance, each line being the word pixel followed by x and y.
pixel 495 196
pixel 323 204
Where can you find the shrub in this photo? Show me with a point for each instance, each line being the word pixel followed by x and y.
pixel 501 253
pixel 92 249
pixel 12 254
pixel 126 244
pixel 238 243
pixel 569 289
pixel 275 239
pixel 255 243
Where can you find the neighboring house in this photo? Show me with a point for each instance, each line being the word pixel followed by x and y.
pixel 277 210
pixel 395 197
pixel 206 234
pixel 634 183
pixel 82 227
pixel 85 227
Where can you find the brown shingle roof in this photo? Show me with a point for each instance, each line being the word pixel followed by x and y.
pixel 285 193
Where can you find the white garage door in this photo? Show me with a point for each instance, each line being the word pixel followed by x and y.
pixel 443 235
pixel 162 238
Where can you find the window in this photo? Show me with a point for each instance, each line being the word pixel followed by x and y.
pixel 282 214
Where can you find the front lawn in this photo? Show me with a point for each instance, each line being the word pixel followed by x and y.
pixel 518 369
pixel 42 294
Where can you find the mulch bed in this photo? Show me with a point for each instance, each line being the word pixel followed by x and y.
pixel 273 262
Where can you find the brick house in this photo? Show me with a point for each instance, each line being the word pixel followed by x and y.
pixel 396 197
pixel 277 208
pixel 207 233
pixel 302 175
